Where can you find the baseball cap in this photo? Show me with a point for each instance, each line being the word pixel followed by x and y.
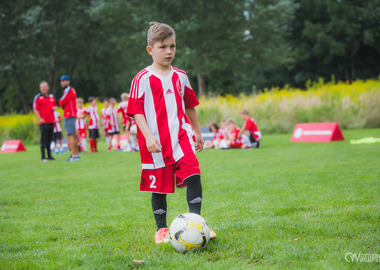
pixel 64 78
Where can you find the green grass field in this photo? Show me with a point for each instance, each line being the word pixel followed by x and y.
pixel 285 205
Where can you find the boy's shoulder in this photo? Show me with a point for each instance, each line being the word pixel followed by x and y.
pixel 140 74
pixel 179 70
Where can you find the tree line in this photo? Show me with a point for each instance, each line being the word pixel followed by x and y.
pixel 225 46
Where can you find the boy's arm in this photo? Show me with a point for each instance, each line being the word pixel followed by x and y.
pixel 65 98
pixel 40 119
pixel 241 132
pixel 152 143
pixel 192 116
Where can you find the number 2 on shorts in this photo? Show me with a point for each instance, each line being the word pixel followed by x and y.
pixel 153 183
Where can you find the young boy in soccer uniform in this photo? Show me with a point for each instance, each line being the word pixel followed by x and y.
pixel 161 101
pixel 93 124
pixel 122 109
pixel 251 128
pixel 114 129
pixel 80 125
pixel 57 132
pixel 105 121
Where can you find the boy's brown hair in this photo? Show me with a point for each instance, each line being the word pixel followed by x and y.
pixel 244 111
pixel 231 121
pixel 159 32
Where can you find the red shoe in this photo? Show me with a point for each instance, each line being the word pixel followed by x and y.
pixel 162 236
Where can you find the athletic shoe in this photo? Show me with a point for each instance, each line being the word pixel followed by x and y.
pixel 212 234
pixel 56 151
pixel 51 158
pixel 162 236
pixel 71 159
pixel 62 152
pixel 258 145
pixel 44 160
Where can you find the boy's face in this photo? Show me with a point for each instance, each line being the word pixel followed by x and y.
pixel 93 103
pixel 163 52
pixel 80 104
pixel 230 126
pixel 106 103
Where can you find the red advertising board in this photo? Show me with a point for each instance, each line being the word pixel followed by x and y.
pixel 317 132
pixel 12 146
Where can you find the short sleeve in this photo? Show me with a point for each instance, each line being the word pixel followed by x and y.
pixel 36 104
pixel 137 96
pixel 54 103
pixel 189 96
pixel 246 124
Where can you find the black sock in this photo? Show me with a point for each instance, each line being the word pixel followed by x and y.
pixel 194 194
pixel 159 207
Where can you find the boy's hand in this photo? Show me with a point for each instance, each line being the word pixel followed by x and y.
pixel 199 142
pixel 153 145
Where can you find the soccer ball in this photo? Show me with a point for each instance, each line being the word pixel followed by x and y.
pixel 133 129
pixel 189 232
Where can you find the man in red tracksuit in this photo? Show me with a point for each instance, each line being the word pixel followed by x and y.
pixel 68 102
pixel 43 107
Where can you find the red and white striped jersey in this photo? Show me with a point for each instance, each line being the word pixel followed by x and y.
pixel 80 123
pixel 57 122
pixel 122 108
pixel 92 111
pixel 111 114
pixel 163 101
pixel 105 121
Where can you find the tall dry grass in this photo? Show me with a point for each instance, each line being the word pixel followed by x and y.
pixel 355 105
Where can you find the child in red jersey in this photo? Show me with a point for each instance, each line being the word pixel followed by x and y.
pixel 80 126
pixel 122 109
pixel 57 133
pixel 162 103
pixel 105 121
pixel 218 136
pixel 114 128
pixel 250 129
pixel 93 125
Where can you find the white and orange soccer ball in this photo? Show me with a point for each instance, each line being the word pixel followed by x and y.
pixel 189 232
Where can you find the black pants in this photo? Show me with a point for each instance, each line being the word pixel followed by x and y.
pixel 46 138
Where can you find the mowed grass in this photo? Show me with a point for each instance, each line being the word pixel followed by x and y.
pixel 286 205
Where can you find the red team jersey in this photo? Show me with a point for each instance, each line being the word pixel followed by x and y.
pixel 237 142
pixel 111 115
pixel 122 108
pixel 80 123
pixel 105 121
pixel 57 123
pixel 218 135
pixel 44 105
pixel 163 100
pixel 92 111
pixel 69 102
pixel 252 127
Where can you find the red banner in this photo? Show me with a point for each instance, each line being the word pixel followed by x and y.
pixel 12 146
pixel 317 132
